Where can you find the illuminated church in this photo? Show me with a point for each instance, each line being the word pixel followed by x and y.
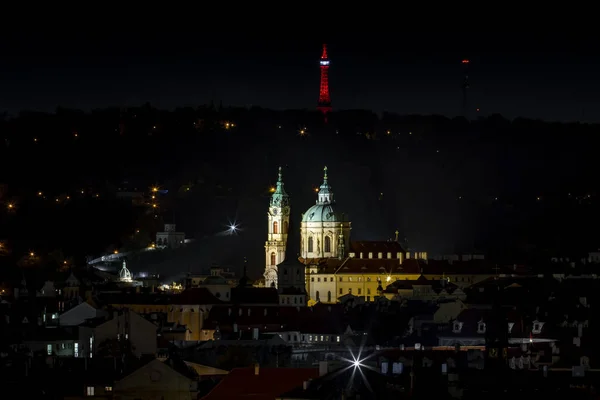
pixel 328 264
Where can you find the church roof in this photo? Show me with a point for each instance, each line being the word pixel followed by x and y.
pixel 324 210
pixel 279 198
pixel 324 213
pixel 376 247
pixel 356 265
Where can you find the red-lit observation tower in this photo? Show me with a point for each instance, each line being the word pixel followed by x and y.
pixel 324 104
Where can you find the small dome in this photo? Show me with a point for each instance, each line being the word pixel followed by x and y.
pixel 324 213
pixel 214 280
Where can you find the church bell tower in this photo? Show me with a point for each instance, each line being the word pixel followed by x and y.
pixel 278 223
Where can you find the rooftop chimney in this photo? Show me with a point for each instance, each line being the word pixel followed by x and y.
pixel 256 369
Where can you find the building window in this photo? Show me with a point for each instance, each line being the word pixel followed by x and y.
pixel 273 259
pixel 90 391
pixel 76 351
pixel 329 296
pixel 275 227
pixel 481 327
pixel 49 349
pixel 368 291
pixel 310 244
pixel 359 291
pixel 327 244
pixel 456 327
pixel 331 279
pixel 340 278
pixel 312 279
pixel 108 389
pixel 341 291
pixel 318 279
pixel 318 296
pixel 285 227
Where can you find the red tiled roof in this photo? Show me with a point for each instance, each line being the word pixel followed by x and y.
pixel 242 383
pixel 376 247
pixel 371 266
pixel 412 266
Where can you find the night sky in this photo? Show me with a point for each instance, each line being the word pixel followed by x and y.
pixel 548 77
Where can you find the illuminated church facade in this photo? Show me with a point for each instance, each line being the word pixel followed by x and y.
pixel 278 218
pixel 329 265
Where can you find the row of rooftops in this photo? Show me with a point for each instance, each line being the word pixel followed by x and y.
pixel 412 266
pixel 194 296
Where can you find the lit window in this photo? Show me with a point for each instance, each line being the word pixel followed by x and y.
pixel 76 352
pixel 49 349
pixel 108 389
pixel 90 391
pixel 337 339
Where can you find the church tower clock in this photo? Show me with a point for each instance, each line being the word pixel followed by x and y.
pixel 278 221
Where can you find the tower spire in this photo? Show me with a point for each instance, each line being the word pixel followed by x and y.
pixel 279 198
pixel 465 86
pixel 325 192
pixel 324 104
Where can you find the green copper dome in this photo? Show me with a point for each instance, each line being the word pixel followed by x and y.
pixel 279 198
pixel 324 210
pixel 324 213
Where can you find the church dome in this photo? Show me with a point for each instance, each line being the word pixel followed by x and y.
pixel 324 213
pixel 325 210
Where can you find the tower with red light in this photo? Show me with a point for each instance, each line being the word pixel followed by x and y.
pixel 465 86
pixel 324 104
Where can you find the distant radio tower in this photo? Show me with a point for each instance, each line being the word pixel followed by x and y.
pixel 324 104
pixel 465 87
